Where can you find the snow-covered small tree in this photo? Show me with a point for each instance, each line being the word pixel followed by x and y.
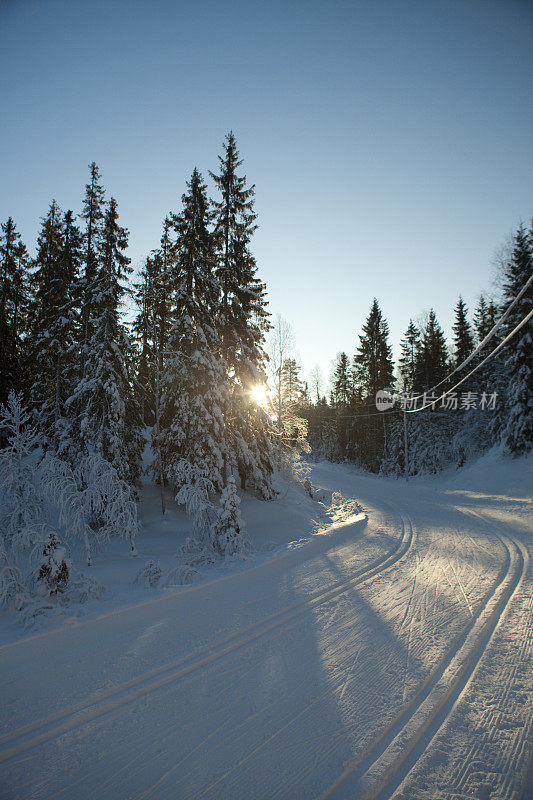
pixel 53 568
pixel 21 510
pixel 228 530
pixel 150 575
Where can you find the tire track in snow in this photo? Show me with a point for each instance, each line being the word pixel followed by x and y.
pixel 393 755
pixel 34 734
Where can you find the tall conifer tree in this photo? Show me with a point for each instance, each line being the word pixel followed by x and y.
pixel 243 323
pixel 433 363
pixel 93 214
pixel 14 294
pixel 373 360
pixel 190 439
pixel 54 321
pixel 107 417
pixel 410 347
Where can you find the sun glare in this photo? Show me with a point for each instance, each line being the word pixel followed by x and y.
pixel 260 395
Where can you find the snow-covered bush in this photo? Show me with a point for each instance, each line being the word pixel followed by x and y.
pixel 150 575
pixel 110 500
pixel 218 531
pixel 82 588
pixel 294 468
pixel 94 503
pixel 228 530
pixel 182 575
pixel 193 493
pixel 15 593
pixel 21 511
pixel 61 487
pixel 31 609
pixel 11 583
pixel 342 508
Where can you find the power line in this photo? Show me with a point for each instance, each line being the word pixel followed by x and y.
pixel 376 414
pixel 485 360
pixel 487 338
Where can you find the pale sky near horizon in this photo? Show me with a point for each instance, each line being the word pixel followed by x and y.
pixel 390 142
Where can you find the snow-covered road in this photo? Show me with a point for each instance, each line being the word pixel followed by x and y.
pixel 390 657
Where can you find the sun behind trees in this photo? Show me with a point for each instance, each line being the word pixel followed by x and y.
pixel 87 385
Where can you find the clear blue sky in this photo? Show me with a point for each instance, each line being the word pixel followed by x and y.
pixel 391 142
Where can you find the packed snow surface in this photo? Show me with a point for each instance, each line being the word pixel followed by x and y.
pixel 351 655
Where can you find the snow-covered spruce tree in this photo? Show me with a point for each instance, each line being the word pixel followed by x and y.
pixel 152 326
pixel 142 338
pixel 93 215
pixel 373 371
pixel 393 461
pixel 54 322
pixel 518 356
pixel 409 347
pixel 432 363
pixel 322 431
pixel 107 418
pixel 463 339
pixel 484 428
pixel 484 317
pixel 229 535
pixel 474 427
pixel 373 360
pixel 14 292
pixel 21 510
pixel 242 324
pixel 165 281
pixel 343 402
pixel 431 442
pixel 190 434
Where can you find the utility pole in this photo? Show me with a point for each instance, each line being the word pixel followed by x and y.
pixel 405 448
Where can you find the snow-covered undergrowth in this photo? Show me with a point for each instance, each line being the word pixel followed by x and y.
pixel 171 556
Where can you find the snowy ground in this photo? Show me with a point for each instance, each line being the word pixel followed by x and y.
pixel 348 658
